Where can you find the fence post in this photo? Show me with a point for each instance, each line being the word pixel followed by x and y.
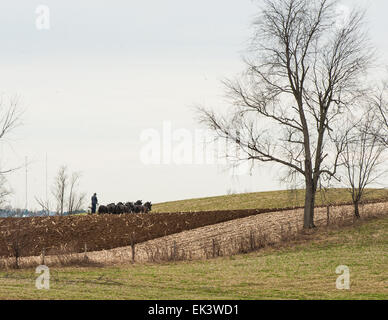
pixel 252 240
pixel 86 250
pixel 174 251
pixel 42 261
pixel 328 215
pixel 133 247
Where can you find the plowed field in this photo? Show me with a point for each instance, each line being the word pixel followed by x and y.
pixel 29 236
pixel 72 234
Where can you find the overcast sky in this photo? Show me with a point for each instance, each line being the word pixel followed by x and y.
pixel 108 72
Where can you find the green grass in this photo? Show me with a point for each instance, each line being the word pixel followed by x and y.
pixel 261 200
pixel 302 271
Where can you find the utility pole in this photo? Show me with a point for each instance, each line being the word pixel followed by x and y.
pixel 46 179
pixel 48 211
pixel 26 205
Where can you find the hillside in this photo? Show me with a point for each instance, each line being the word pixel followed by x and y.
pixel 304 271
pixel 263 200
pixel 30 236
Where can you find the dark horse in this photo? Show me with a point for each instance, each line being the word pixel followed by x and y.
pixel 103 209
pixel 120 208
pixel 111 208
pixel 129 207
pixel 145 208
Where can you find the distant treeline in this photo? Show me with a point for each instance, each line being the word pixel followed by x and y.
pixel 23 213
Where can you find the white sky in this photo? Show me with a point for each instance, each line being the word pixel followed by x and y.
pixel 108 70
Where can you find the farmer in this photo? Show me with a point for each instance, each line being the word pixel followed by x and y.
pixel 94 203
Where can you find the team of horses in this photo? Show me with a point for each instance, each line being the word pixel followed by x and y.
pixel 128 207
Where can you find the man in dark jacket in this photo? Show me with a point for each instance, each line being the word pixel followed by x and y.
pixel 94 203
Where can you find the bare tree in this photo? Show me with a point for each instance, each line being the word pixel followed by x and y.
pixel 4 191
pixel 304 74
pixel 76 200
pixel 59 189
pixel 10 118
pixel 380 104
pixel 65 192
pixel 44 204
pixel 362 158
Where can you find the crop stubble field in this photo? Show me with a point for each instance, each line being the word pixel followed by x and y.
pixel 227 238
pixel 100 232
pixel 30 236
pixel 303 270
pixel 285 267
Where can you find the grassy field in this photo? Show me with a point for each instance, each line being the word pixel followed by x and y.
pixel 302 271
pixel 262 200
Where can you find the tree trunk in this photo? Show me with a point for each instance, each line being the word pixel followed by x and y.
pixel 309 206
pixel 310 195
pixel 356 210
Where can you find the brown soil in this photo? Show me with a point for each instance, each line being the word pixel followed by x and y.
pixel 222 239
pixel 30 236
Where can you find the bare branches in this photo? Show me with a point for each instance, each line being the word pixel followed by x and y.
pixel 380 105
pixel 76 200
pixel 362 157
pixel 304 73
pixel 45 205
pixel 10 118
pixel 59 189
pixel 253 144
pixel 65 193
pixel 4 191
